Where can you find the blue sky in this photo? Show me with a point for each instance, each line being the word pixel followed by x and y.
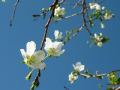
pixel 55 76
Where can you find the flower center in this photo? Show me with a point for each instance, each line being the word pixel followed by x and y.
pixel 52 51
pixel 30 60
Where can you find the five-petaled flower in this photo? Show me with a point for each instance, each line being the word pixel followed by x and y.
pixel 60 12
pixel 53 48
pixel 57 34
pixel 33 58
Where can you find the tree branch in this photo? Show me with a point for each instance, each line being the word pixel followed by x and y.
pixel 14 11
pixel 83 17
pixel 53 6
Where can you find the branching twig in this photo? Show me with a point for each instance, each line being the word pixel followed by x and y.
pixel 94 76
pixel 83 17
pixel 14 11
pixel 47 25
pixel 45 33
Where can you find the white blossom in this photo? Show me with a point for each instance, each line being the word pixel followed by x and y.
pixel 57 34
pixel 108 16
pixel 99 44
pixel 72 77
pixel 33 58
pixel 102 25
pixel 103 8
pixel 53 48
pixel 98 37
pixel 95 6
pixel 59 11
pixel 78 67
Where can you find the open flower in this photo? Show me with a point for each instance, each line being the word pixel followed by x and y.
pixel 72 77
pixel 53 48
pixel 108 16
pixel 95 6
pixel 32 58
pixel 59 11
pixel 57 34
pixel 78 67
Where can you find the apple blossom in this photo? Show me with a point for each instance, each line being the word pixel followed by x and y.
pixel 99 44
pixel 59 11
pixel 78 67
pixel 33 58
pixel 108 16
pixel 95 6
pixel 57 34
pixel 53 48
pixel 72 77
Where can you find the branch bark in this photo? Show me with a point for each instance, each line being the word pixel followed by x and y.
pixel 14 12
pixel 53 6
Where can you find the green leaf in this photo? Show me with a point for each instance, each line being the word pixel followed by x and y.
pixel 67 38
pixel 76 30
pixel 32 87
pixel 70 32
pixel 118 81
pixel 29 75
pixel 100 85
pixel 99 77
pixel 23 62
pixel 109 88
pixel 113 78
pixel 105 39
pixel 35 15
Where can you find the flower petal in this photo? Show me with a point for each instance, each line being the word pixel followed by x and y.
pixel 30 48
pixel 23 53
pixel 38 56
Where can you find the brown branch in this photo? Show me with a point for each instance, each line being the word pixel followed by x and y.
pixel 53 6
pixel 84 19
pixel 47 24
pixel 14 11
pixel 94 76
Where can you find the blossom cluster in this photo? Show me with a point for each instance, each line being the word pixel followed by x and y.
pixel 34 59
pixel 98 39
pixel 100 13
pixel 78 67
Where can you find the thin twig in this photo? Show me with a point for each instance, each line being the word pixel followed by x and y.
pixel 94 76
pixel 14 12
pixel 74 14
pixel 83 17
pixel 77 4
pixel 47 24
pixel 45 33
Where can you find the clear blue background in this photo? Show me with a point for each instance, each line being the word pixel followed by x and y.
pixel 55 76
